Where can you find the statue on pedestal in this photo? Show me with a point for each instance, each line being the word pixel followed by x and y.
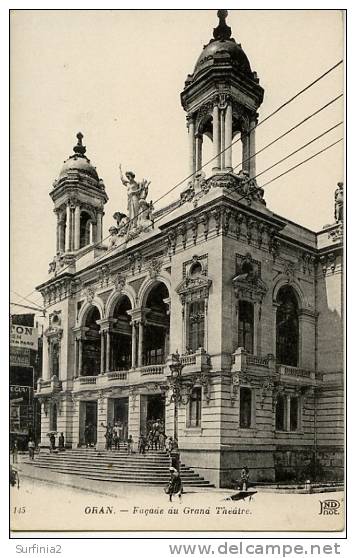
pixel 339 202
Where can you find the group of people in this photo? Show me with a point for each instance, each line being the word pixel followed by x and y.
pixel 114 435
pixel 31 446
pixel 156 438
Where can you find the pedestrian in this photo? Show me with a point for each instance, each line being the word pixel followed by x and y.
pixel 156 439
pixel 15 451
pixel 61 442
pixel 14 477
pixel 129 445
pixel 162 440
pixel 87 435
pixel 175 486
pixel 120 432
pixel 170 444
pixel 110 437
pixel 142 444
pixel 244 479
pixel 52 441
pixel 31 449
pixel 150 439
pixel 115 437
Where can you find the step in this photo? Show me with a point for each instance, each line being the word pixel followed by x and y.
pixel 151 468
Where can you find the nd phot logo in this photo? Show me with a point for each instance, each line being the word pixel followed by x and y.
pixel 329 507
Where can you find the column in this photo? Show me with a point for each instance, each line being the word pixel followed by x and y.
pixel 45 359
pixel 140 343
pixel 61 239
pixel 222 140
pixel 93 233
pixel 58 232
pixel 72 228
pixel 77 228
pixel 274 328
pixel 133 345
pixel 252 147
pixel 102 352
pixel 245 151
pixel 206 324
pixel 102 420
pixel 255 328
pixel 198 151
pixel 288 413
pixel 108 350
pixel 99 232
pixel 228 137
pixel 80 356
pixel 68 227
pixel 216 139
pixel 191 128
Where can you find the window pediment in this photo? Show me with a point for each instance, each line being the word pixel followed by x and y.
pixel 194 288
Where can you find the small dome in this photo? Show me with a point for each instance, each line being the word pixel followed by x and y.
pixel 224 48
pixel 78 162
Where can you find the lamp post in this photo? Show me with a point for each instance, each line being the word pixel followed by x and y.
pixel 175 382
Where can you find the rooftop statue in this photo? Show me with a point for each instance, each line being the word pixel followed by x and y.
pixel 136 191
pixel 339 202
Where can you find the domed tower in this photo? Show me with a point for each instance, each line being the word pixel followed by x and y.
pixel 79 197
pixel 221 99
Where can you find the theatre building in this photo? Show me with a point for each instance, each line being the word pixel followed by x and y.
pixel 213 314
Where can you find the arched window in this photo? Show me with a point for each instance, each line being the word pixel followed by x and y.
pixel 84 229
pixel 156 330
pixel 246 324
pixel 287 327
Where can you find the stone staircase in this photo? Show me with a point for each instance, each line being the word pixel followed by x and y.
pixel 116 466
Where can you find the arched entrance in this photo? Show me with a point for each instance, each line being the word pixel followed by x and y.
pixel 91 346
pixel 156 333
pixel 121 343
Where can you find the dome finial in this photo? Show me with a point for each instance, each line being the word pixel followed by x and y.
pixel 80 149
pixel 222 32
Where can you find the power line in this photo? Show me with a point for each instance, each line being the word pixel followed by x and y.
pixel 300 148
pixel 302 162
pixel 278 109
pixel 264 185
pixel 290 130
pixel 24 298
pixel 28 307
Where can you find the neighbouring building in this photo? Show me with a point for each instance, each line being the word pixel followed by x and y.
pixel 213 313
pixel 25 370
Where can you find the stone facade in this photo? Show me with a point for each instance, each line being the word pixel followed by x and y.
pixel 223 319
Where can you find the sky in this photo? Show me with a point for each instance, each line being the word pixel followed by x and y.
pixel 116 76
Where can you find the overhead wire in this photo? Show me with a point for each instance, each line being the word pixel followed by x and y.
pixel 273 113
pixel 263 186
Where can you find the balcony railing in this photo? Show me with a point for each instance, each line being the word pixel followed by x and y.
pixel 257 360
pixel 117 375
pixel 85 380
pixel 152 370
pixel 49 386
pixel 189 360
pixel 295 372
